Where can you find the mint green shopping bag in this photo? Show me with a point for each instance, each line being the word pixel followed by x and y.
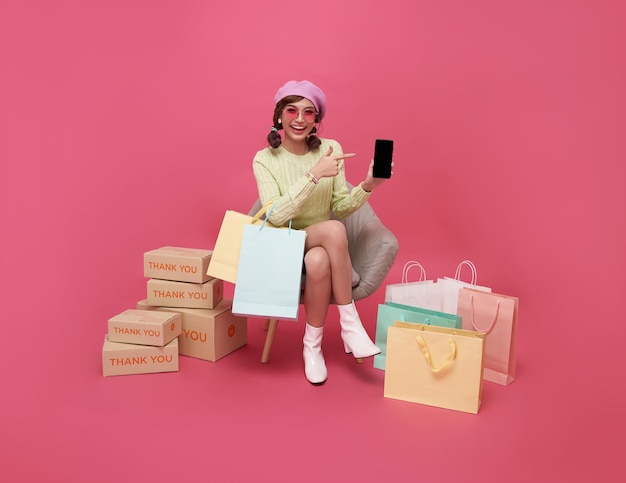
pixel 389 312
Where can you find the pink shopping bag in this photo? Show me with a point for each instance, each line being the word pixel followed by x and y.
pixel 495 315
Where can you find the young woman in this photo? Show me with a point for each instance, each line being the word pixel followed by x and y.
pixel 305 174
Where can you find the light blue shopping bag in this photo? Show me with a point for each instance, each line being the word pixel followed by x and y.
pixel 270 272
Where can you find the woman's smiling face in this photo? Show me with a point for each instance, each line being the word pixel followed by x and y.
pixel 298 119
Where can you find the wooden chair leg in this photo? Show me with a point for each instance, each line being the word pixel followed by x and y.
pixel 271 326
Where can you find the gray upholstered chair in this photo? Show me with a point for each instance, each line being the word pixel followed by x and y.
pixel 373 249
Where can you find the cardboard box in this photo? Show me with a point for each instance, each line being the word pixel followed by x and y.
pixel 208 334
pixel 166 293
pixel 144 327
pixel 178 264
pixel 119 359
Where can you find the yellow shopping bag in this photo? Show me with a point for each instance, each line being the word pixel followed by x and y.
pixel 436 366
pixel 225 258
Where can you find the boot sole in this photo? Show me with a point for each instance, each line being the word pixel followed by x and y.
pixel 364 357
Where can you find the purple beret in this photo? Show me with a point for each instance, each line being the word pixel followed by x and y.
pixel 305 89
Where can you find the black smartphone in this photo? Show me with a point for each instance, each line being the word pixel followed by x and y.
pixel 383 153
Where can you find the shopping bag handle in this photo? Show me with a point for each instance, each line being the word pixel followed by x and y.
pixel 268 214
pixel 493 323
pixel 264 208
pixel 402 318
pixel 272 204
pixel 409 265
pixel 457 275
pixel 429 359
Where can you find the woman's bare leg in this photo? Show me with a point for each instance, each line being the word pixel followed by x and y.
pixel 328 256
pixel 331 236
pixel 317 290
pixel 317 286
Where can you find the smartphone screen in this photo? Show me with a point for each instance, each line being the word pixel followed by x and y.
pixel 383 153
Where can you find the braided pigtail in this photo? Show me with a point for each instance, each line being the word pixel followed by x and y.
pixel 273 138
pixel 312 140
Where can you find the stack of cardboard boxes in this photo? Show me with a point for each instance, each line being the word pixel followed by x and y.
pixel 184 313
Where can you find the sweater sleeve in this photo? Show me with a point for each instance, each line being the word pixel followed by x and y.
pixel 344 201
pixel 287 205
pixel 281 177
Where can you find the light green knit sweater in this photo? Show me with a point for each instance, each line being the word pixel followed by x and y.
pixel 280 175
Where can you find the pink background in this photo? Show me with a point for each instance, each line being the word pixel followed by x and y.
pixel 129 125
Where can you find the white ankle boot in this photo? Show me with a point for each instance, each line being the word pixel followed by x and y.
pixel 355 338
pixel 314 364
